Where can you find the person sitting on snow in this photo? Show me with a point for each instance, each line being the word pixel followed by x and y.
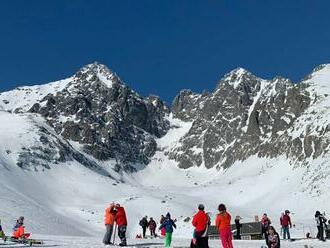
pixel 19 229
pixel 2 234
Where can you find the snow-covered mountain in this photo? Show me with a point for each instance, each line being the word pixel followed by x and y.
pixel 70 147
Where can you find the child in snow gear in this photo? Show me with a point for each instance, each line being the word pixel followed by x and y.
pixel 121 221
pixel 168 224
pixel 144 224
pixel 265 224
pixel 109 220
pixel 19 229
pixel 281 223
pixel 163 230
pixel 152 227
pixel 223 225
pixel 320 223
pixel 286 223
pixel 273 239
pixel 201 222
pixel 238 226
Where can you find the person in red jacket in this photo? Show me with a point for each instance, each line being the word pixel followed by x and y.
pixel 109 220
pixel 286 223
pixel 223 225
pixel 121 221
pixel 201 222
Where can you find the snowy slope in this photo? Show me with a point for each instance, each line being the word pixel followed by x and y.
pixel 69 198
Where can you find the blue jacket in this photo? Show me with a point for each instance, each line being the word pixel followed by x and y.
pixel 168 224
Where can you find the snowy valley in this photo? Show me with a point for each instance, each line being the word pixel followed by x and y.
pixel 69 148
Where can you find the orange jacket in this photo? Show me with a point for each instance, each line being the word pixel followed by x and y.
pixel 109 217
pixel 223 221
pixel 19 232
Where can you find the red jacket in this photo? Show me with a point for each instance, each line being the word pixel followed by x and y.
pixel 286 221
pixel 19 232
pixel 222 221
pixel 121 217
pixel 200 221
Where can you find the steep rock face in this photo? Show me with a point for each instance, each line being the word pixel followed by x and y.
pixel 97 110
pixel 245 116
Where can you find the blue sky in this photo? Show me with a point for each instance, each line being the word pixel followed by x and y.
pixel 162 46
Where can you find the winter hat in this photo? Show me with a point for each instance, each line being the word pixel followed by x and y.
pixel 201 207
pixel 168 215
pixel 287 211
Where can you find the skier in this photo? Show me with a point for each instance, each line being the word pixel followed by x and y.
pixel 238 226
pixel 168 224
pixel 2 234
pixel 163 230
pixel 109 220
pixel 320 222
pixel 121 221
pixel 201 223
pixel 152 227
pixel 144 224
pixel 265 224
pixel 223 226
pixel 273 239
pixel 286 223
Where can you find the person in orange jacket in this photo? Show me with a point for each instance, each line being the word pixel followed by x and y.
pixel 109 220
pixel 19 229
pixel 223 225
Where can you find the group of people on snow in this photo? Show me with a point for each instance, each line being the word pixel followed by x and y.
pixel 144 223
pixel 115 217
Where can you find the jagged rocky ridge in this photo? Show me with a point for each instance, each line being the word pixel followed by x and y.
pixel 244 116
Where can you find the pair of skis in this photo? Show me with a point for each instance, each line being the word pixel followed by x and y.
pixel 25 241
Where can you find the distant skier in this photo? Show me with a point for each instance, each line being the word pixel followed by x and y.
pixel 163 230
pixel 109 220
pixel 201 222
pixel 265 224
pixel 273 239
pixel 238 226
pixel 320 223
pixel 121 221
pixel 152 227
pixel 286 224
pixel 223 225
pixel 168 224
pixel 144 224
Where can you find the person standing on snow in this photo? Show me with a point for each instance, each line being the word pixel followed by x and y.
pixel 121 221
pixel 201 223
pixel 152 227
pixel 265 224
pixel 168 224
pixel 109 220
pixel 273 239
pixel 281 223
pixel 144 224
pixel 320 223
pixel 286 223
pixel 238 226
pixel 163 230
pixel 223 226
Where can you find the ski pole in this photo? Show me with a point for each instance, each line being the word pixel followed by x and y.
pixel 114 235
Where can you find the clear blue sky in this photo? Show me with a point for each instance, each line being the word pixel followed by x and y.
pixel 162 46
